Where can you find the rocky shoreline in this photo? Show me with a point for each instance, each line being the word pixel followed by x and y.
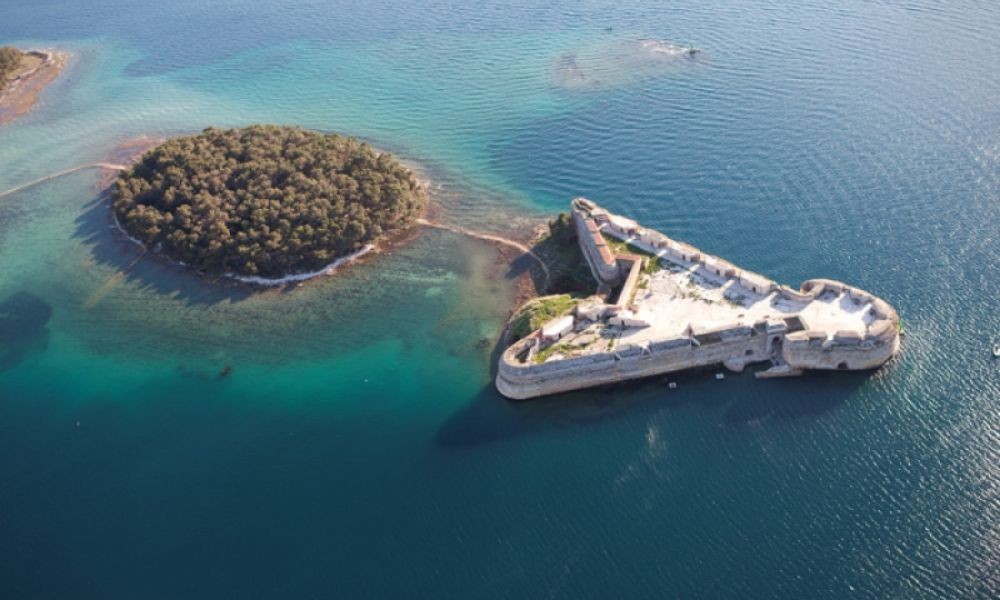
pixel 19 96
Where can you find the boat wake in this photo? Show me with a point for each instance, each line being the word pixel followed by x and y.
pixel 620 62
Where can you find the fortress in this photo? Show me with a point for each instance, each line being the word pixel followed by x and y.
pixel 665 306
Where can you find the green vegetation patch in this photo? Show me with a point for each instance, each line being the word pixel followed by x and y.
pixel 561 230
pixel 652 264
pixel 538 312
pixel 561 252
pixel 10 59
pixel 545 353
pixel 264 200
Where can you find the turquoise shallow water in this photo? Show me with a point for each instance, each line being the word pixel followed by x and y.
pixel 358 449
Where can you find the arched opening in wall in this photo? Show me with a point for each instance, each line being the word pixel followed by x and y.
pixel 776 346
pixel 749 352
pixel 842 366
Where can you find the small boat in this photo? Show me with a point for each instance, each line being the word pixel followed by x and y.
pixel 996 350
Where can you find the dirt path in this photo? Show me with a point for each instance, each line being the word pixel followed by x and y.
pixel 100 165
pixel 492 238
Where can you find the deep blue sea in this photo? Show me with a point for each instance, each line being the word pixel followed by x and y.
pixel 358 448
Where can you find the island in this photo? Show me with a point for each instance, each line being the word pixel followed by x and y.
pixel 264 202
pixel 23 75
pixel 663 306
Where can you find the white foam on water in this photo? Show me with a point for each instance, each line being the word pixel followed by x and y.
pixel 330 268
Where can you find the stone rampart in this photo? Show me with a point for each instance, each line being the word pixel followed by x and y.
pixel 756 283
pixel 595 250
pixel 845 349
pixel 520 382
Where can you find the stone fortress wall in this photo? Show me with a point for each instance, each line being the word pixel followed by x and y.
pixel 811 349
pixel 595 249
pixel 785 341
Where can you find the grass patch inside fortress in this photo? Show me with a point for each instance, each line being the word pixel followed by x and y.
pixel 545 353
pixel 652 263
pixel 538 312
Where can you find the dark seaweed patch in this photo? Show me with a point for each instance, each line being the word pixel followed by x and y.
pixel 23 317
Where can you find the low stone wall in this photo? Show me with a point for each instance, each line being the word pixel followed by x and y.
pixel 631 264
pixel 756 283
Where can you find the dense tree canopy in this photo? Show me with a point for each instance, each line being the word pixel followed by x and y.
pixel 264 200
pixel 10 58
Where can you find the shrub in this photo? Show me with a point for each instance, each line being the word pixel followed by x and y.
pixel 10 58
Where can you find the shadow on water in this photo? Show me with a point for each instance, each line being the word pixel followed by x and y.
pixel 568 272
pixel 741 401
pixel 111 248
pixel 809 396
pixel 521 264
pixel 23 317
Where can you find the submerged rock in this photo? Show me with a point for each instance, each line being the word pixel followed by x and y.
pixel 23 317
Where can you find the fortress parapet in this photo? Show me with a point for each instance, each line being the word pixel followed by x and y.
pixel 851 349
pixel 595 250
pixel 700 310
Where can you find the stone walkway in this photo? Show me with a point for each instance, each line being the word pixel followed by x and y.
pixel 76 169
pixel 491 238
